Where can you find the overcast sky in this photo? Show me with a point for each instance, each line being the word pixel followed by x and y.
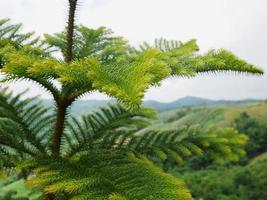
pixel 236 25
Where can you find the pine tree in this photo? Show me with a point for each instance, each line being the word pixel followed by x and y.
pixel 102 155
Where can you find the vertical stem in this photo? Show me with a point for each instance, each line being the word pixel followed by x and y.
pixel 61 116
pixel 61 103
pixel 70 30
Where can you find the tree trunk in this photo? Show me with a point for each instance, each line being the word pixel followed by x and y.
pixel 70 31
pixel 59 128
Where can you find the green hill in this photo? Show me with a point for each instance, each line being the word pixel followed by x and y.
pixel 221 115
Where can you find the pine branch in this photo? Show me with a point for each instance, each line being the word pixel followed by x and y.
pixel 107 175
pixel 26 119
pixel 100 43
pixel 219 144
pixel 89 131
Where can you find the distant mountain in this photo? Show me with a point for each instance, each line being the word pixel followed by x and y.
pixel 85 106
pixel 194 101
pixel 183 102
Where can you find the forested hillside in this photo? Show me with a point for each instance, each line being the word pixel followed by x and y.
pixel 246 180
pixel 220 115
pixel 239 182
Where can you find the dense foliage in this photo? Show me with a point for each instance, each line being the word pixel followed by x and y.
pixel 234 183
pixel 256 131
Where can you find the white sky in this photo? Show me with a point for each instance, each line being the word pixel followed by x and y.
pixel 236 25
